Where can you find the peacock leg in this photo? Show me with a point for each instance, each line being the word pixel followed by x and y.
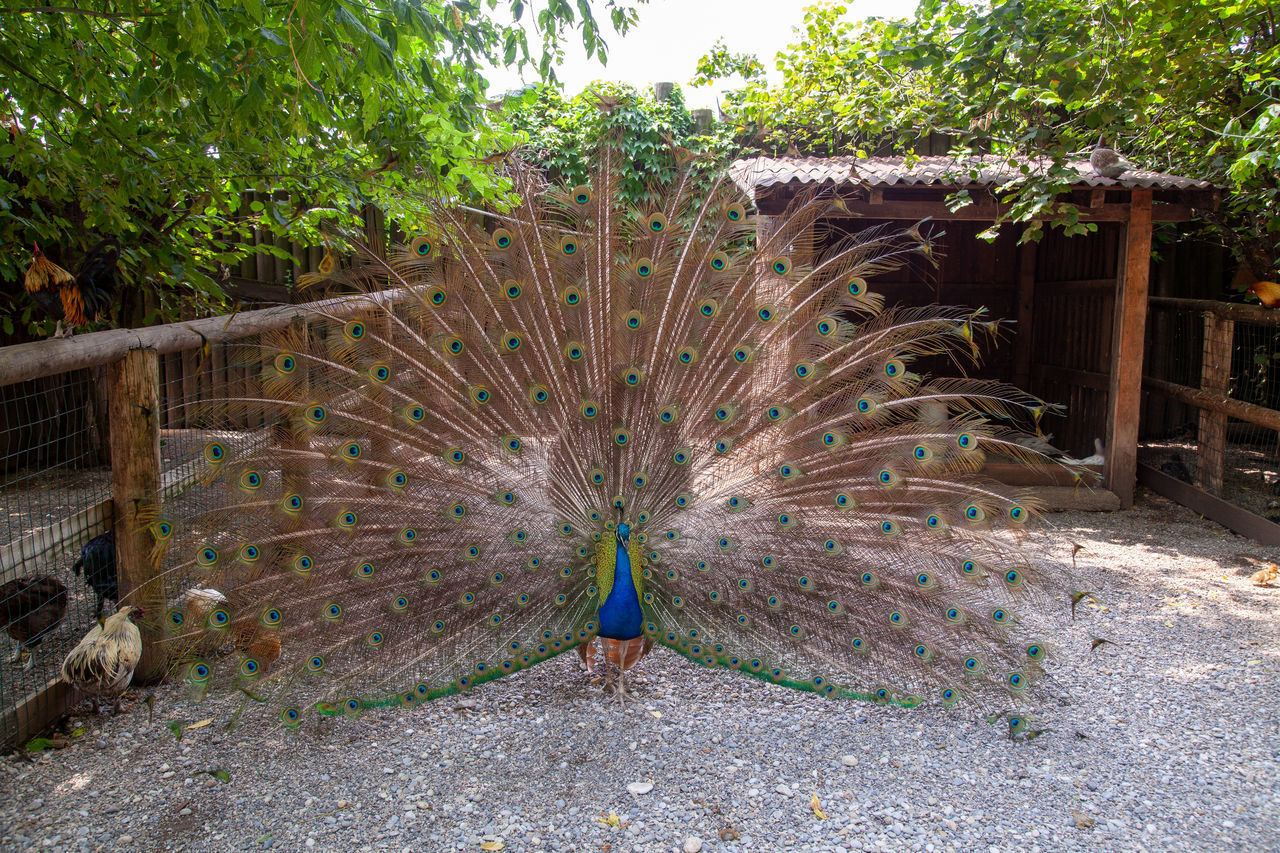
pixel 621 692
pixel 26 657
pixel 608 677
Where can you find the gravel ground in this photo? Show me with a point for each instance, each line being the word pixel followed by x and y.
pixel 1167 738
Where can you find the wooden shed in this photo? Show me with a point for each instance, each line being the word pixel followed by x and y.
pixel 1078 304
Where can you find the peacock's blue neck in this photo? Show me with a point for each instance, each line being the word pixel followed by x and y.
pixel 620 616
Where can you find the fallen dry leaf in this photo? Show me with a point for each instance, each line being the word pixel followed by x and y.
pixel 817 807
pixel 200 725
pixel 491 846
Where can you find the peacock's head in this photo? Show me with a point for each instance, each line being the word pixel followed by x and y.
pixel 624 531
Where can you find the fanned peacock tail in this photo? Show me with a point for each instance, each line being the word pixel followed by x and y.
pixel 438 502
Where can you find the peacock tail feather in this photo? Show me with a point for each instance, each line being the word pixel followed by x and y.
pixel 437 502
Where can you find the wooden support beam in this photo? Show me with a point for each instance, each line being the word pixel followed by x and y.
pixel 1215 379
pixel 987 212
pixel 1124 393
pixel 134 391
pixel 1078 499
pixel 1026 304
pixel 1071 376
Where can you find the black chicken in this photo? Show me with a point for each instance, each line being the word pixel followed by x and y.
pixel 79 299
pixel 98 565
pixel 31 607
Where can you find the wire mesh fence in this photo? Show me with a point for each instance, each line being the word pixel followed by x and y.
pixel 1213 410
pixel 56 561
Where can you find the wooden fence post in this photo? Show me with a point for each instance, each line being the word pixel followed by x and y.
pixel 133 389
pixel 1215 378
pixel 1124 392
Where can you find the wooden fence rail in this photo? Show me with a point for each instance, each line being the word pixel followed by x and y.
pixel 46 358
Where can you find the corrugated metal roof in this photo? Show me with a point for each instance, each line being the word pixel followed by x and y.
pixel 984 170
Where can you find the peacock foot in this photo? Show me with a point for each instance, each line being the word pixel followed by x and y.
pixel 27 659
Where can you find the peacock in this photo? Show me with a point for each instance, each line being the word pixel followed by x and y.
pixel 592 424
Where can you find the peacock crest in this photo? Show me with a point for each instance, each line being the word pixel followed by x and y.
pixel 582 414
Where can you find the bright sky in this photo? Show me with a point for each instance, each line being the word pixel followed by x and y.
pixel 672 34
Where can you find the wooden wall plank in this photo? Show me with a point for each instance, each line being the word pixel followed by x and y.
pixel 1026 313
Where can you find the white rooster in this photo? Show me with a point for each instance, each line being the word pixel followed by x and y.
pixel 102 664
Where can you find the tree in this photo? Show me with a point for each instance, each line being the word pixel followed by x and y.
pixel 148 121
pixel 1185 86
pixel 560 133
